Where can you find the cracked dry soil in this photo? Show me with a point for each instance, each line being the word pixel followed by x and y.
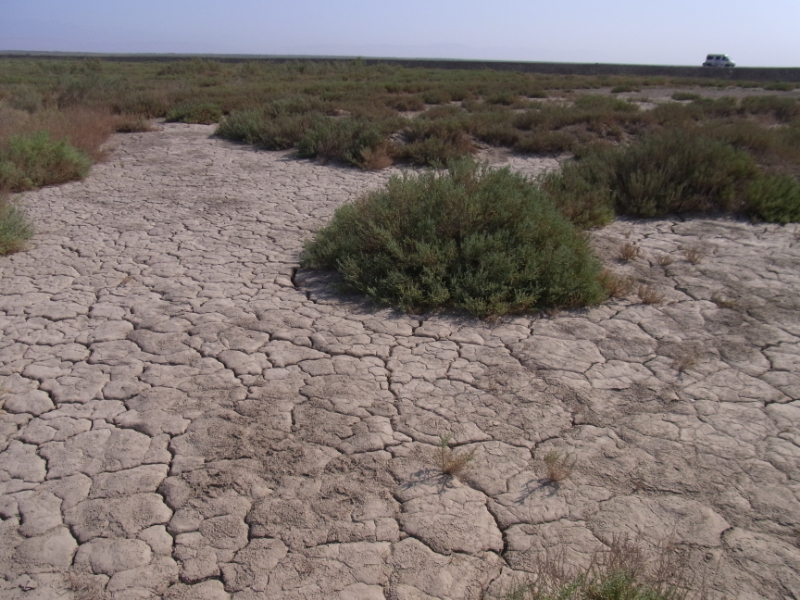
pixel 185 415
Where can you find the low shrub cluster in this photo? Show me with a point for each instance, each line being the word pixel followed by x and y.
pixel 206 113
pixel 347 139
pixel 34 160
pixel 482 240
pixel 674 171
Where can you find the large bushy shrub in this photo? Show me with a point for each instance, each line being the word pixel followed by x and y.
pixel 33 160
pixel 483 240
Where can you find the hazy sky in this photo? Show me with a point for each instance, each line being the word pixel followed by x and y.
pixel 665 32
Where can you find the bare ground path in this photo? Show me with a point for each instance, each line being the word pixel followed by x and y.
pixel 184 415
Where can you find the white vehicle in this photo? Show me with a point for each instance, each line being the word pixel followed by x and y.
pixel 718 60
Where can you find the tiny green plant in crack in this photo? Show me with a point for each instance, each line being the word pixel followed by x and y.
pixel 559 465
pixel 452 463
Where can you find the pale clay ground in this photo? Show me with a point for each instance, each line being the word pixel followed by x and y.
pixel 186 416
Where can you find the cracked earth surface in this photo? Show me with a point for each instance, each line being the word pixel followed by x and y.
pixel 187 415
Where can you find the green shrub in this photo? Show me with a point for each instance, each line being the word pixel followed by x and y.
pixel 436 151
pixel 486 241
pixel 343 139
pixel 619 89
pixel 545 142
pixel 256 126
pixel 680 96
pixel 719 107
pixel 14 226
pixel 674 171
pixel 597 103
pixel 504 98
pixel 775 199
pixel 435 142
pixel 206 113
pixel 27 98
pixel 783 108
pixel 436 97
pixel 406 103
pixel 33 160
pixel 780 86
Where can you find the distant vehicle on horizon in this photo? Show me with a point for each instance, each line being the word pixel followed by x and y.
pixel 718 60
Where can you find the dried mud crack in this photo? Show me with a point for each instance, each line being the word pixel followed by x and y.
pixel 187 414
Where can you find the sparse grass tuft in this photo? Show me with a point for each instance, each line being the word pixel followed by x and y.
pixel 616 286
pixel 482 240
pixel 664 259
pixel 694 254
pixel 15 229
pixel 559 466
pixel 649 295
pixel 624 571
pixel 378 157
pixel 629 251
pixel 449 462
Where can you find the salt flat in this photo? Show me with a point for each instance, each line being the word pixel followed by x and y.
pixel 187 415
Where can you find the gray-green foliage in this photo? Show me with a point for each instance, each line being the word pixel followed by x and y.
pixel 775 199
pixel 679 171
pixel 675 171
pixel 195 112
pixel 483 240
pixel 265 130
pixel 14 226
pixel 340 138
pixel 33 160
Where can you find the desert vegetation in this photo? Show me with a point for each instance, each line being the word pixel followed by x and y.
pixel 693 154
pixel 627 568
pixel 483 240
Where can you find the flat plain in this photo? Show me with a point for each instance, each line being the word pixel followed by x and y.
pixel 187 414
